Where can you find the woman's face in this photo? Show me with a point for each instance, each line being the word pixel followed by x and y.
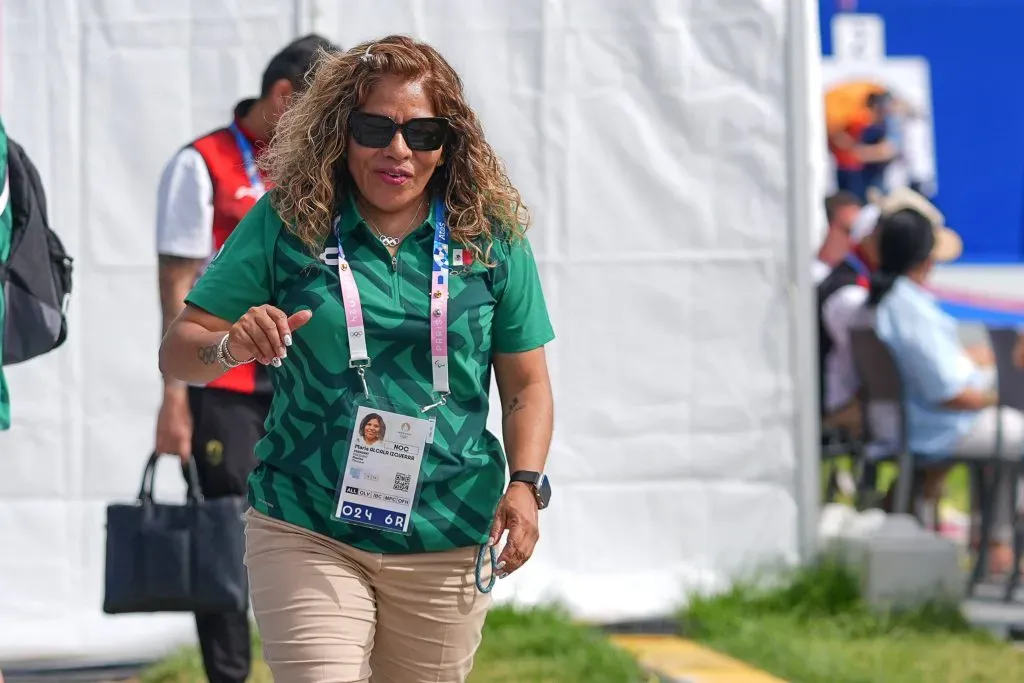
pixel 394 177
pixel 372 430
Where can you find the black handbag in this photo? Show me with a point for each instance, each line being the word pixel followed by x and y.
pixel 164 557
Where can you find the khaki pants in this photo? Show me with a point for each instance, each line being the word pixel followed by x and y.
pixel 330 613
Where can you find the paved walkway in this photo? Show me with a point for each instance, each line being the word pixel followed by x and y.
pixel 682 661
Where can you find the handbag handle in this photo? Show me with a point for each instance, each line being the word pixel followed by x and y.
pixel 195 495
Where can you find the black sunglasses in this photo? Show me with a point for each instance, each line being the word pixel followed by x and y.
pixel 421 135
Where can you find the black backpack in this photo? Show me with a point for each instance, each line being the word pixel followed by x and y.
pixel 36 278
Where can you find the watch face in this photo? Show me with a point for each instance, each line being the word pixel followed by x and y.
pixel 543 492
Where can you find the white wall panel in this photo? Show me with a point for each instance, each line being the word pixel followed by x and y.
pixel 101 93
pixel 649 138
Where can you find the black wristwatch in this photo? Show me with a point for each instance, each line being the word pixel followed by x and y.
pixel 538 481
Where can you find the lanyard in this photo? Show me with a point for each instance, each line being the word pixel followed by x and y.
pixel 859 266
pixel 359 358
pixel 248 159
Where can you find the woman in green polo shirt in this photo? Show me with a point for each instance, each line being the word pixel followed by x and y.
pixel 382 279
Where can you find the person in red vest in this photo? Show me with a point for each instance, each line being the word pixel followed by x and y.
pixel 205 190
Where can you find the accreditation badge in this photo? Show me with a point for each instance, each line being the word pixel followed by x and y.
pixel 380 483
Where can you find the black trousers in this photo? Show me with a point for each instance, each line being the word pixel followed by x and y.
pixel 226 426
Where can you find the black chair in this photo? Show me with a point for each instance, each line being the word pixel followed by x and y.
pixel 882 385
pixel 1010 380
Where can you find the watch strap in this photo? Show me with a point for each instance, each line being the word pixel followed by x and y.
pixel 537 481
pixel 526 477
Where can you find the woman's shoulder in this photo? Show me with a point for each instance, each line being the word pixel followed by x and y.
pixel 502 243
pixel 275 231
pixel 262 219
pixel 913 313
pixel 265 210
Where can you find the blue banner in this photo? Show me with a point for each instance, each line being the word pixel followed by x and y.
pixel 975 53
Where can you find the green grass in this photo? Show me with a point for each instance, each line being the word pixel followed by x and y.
pixel 542 645
pixel 519 646
pixel 817 630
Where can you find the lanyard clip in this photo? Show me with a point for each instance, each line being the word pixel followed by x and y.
pixel 436 404
pixel 360 366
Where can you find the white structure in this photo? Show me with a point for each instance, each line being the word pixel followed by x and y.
pixel 666 149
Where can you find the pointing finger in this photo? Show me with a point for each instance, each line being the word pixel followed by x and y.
pixel 299 319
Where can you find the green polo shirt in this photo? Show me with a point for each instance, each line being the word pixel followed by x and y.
pixel 6 227
pixel 492 309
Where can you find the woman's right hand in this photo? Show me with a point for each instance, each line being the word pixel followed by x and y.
pixel 263 334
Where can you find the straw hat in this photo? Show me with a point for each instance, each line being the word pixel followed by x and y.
pixel 948 245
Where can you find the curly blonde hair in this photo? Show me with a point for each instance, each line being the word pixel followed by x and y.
pixel 305 160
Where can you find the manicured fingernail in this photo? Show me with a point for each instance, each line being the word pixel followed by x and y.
pixel 500 566
pixel 276 362
pixel 281 353
pixel 503 575
pixel 287 340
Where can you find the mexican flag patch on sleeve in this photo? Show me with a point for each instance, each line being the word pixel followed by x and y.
pixel 462 257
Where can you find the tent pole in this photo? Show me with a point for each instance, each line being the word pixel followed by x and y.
pixel 802 17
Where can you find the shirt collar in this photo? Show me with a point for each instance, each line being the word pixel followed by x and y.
pixel 351 218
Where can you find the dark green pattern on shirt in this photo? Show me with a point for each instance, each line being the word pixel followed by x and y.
pixel 311 419
pixel 6 228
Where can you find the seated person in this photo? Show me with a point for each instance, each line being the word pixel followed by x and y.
pixel 839 296
pixel 843 293
pixel 841 211
pixel 950 403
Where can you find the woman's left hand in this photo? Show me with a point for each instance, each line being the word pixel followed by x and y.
pixel 517 513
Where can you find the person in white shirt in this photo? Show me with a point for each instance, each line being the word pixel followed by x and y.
pixel 839 296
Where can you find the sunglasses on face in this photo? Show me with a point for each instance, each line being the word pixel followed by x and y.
pixel 421 135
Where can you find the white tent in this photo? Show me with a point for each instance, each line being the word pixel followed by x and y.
pixel 669 151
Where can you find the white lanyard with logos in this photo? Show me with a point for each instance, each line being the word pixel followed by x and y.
pixel 379 486
pixel 358 356
pixel 363 497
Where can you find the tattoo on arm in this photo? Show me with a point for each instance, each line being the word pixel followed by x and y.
pixel 208 354
pixel 514 407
